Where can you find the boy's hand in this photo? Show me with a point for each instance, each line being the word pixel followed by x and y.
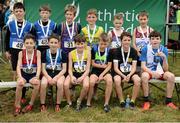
pixel 161 54
pixel 156 75
pixel 104 66
pixel 21 80
pixel 8 55
pixel 55 78
pixel 80 79
pixel 73 80
pixel 34 81
pixel 100 78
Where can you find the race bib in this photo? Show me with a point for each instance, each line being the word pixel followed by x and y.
pixel 18 44
pixel 115 44
pixel 141 42
pixel 57 67
pixel 43 42
pixel 78 68
pixel 125 69
pixel 29 71
pixel 69 44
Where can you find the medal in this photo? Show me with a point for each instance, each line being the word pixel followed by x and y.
pixel 72 32
pixel 91 37
pixel 80 62
pixel 143 38
pixel 102 62
pixel 29 68
pixel 125 67
pixel 22 28
pixel 43 30
pixel 53 64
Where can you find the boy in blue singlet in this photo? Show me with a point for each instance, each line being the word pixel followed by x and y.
pixel 44 27
pixel 154 63
pixel 53 68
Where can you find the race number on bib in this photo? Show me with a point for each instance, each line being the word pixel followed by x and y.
pixel 17 45
pixel 125 69
pixel 115 44
pixel 78 68
pixel 69 44
pixel 43 42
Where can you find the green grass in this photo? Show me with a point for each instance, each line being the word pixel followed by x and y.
pixel 158 112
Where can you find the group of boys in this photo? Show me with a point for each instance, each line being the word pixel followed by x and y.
pixel 93 56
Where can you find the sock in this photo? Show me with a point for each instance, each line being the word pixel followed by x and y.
pixel 168 100
pixel 146 98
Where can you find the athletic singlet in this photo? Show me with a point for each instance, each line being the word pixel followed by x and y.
pixel 58 66
pixel 97 34
pixel 114 42
pixel 68 44
pixel 42 36
pixel 24 66
pixel 17 35
pixel 76 67
pixel 98 58
pixel 140 40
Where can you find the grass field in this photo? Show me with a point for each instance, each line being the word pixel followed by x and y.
pixel 158 113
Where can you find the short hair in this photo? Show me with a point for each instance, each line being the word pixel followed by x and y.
pixel 45 8
pixel 55 36
pixel 127 34
pixel 104 37
pixel 79 38
pixel 18 5
pixel 29 36
pixel 155 34
pixel 71 8
pixel 92 11
pixel 118 16
pixel 143 13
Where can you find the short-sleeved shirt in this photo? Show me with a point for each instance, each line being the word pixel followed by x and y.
pixel 93 57
pixel 156 59
pixel 119 58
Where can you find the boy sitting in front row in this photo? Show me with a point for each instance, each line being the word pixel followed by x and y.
pixel 53 68
pixel 79 67
pixel 154 63
pixel 101 67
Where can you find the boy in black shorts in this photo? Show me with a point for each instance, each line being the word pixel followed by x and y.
pixel 100 69
pixel 125 62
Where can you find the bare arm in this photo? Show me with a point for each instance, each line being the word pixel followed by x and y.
pixel 116 69
pixel 38 64
pixel 107 68
pixel 19 64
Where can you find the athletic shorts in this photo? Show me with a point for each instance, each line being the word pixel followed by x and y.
pixel 27 76
pixel 150 77
pixel 14 57
pixel 77 75
pixel 52 74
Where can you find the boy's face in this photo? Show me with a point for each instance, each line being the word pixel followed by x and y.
pixel 45 15
pixel 126 41
pixel 103 44
pixel 69 15
pixel 19 13
pixel 80 46
pixel 53 44
pixel 91 19
pixel 118 23
pixel 29 44
pixel 155 41
pixel 143 20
